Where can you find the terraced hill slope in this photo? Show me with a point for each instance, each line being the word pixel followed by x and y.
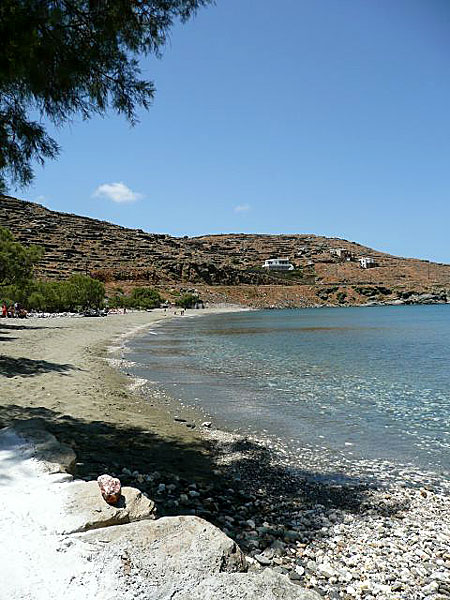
pixel 224 267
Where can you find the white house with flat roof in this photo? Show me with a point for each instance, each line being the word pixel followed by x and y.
pixel 367 262
pixel 278 264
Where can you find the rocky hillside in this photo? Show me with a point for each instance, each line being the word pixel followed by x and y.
pixel 224 267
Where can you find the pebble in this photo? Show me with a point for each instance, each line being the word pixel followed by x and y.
pixel 263 560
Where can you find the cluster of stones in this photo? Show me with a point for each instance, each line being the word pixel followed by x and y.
pixel 392 544
pixel 400 554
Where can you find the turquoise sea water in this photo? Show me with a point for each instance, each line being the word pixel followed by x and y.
pixel 370 383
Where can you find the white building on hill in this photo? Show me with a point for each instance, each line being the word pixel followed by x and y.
pixel 278 264
pixel 366 262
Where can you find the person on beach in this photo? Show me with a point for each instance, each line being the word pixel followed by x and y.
pixel 4 311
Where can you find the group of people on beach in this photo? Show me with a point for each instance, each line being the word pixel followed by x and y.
pixel 182 311
pixel 13 311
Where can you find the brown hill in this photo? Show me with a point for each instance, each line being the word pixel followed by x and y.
pixel 224 267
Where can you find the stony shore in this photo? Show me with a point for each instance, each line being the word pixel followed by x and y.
pixel 382 537
pixel 354 539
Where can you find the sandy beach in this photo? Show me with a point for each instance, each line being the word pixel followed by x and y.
pixel 56 369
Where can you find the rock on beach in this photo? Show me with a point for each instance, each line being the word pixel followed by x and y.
pixel 109 488
pixel 85 508
pixel 187 558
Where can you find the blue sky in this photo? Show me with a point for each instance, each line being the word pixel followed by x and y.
pixel 296 116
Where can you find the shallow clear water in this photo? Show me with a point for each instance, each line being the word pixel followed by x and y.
pixel 371 383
